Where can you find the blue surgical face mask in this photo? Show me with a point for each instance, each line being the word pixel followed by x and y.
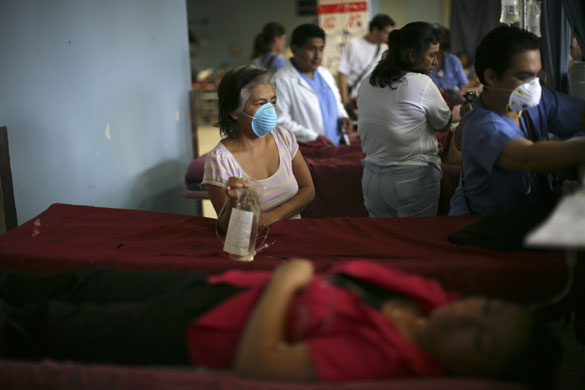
pixel 264 120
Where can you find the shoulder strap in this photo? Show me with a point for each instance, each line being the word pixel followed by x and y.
pixel 365 70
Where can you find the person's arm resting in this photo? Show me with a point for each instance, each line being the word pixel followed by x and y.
pixel 437 111
pixel 297 203
pixel 447 126
pixel 458 131
pixel 546 156
pixel 452 113
pixel 222 203
pixel 218 200
pixel 262 353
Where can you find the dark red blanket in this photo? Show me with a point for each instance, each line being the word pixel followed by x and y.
pixel 66 237
pixel 337 176
pixel 55 376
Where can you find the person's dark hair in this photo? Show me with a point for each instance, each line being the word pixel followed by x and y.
pixel 444 38
pixel 264 38
pixel 233 91
pixel 537 365
pixel 395 62
pixel 381 21
pixel 498 48
pixel 301 34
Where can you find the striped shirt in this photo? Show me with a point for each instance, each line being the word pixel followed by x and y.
pixel 220 165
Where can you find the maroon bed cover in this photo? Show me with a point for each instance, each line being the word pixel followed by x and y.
pixel 65 237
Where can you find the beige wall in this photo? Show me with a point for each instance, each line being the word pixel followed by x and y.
pixel 406 11
pixel 396 9
pixel 446 13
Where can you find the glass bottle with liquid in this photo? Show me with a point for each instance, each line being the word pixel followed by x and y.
pixel 240 241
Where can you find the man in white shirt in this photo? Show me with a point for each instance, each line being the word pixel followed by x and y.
pixel 307 99
pixel 359 58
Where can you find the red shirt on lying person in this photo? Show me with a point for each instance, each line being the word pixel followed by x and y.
pixel 347 338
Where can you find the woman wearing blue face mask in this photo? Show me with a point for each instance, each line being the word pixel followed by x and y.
pixel 255 151
pixel 507 157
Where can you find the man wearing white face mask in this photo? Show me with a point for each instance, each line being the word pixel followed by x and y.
pixel 506 151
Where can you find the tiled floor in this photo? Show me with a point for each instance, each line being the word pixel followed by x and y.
pixel 208 138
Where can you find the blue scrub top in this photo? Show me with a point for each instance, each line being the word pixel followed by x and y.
pixel 271 61
pixel 327 105
pixel 489 188
pixel 452 75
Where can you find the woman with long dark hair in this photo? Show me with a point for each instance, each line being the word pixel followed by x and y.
pixel 400 109
pixel 268 47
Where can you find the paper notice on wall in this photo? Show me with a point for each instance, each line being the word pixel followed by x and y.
pixel 342 20
pixel 565 227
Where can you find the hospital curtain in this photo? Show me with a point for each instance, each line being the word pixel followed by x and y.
pixel 470 21
pixel 575 10
pixel 556 42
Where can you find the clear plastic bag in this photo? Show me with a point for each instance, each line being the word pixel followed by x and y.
pixel 533 17
pixel 510 12
pixel 240 241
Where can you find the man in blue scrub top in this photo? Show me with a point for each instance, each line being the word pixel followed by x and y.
pixel 308 100
pixel 506 151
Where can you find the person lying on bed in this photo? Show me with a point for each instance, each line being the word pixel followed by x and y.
pixel 255 151
pixel 359 320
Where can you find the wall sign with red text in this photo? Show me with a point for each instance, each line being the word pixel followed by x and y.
pixel 342 22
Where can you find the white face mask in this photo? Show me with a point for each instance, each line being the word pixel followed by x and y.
pixel 525 96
